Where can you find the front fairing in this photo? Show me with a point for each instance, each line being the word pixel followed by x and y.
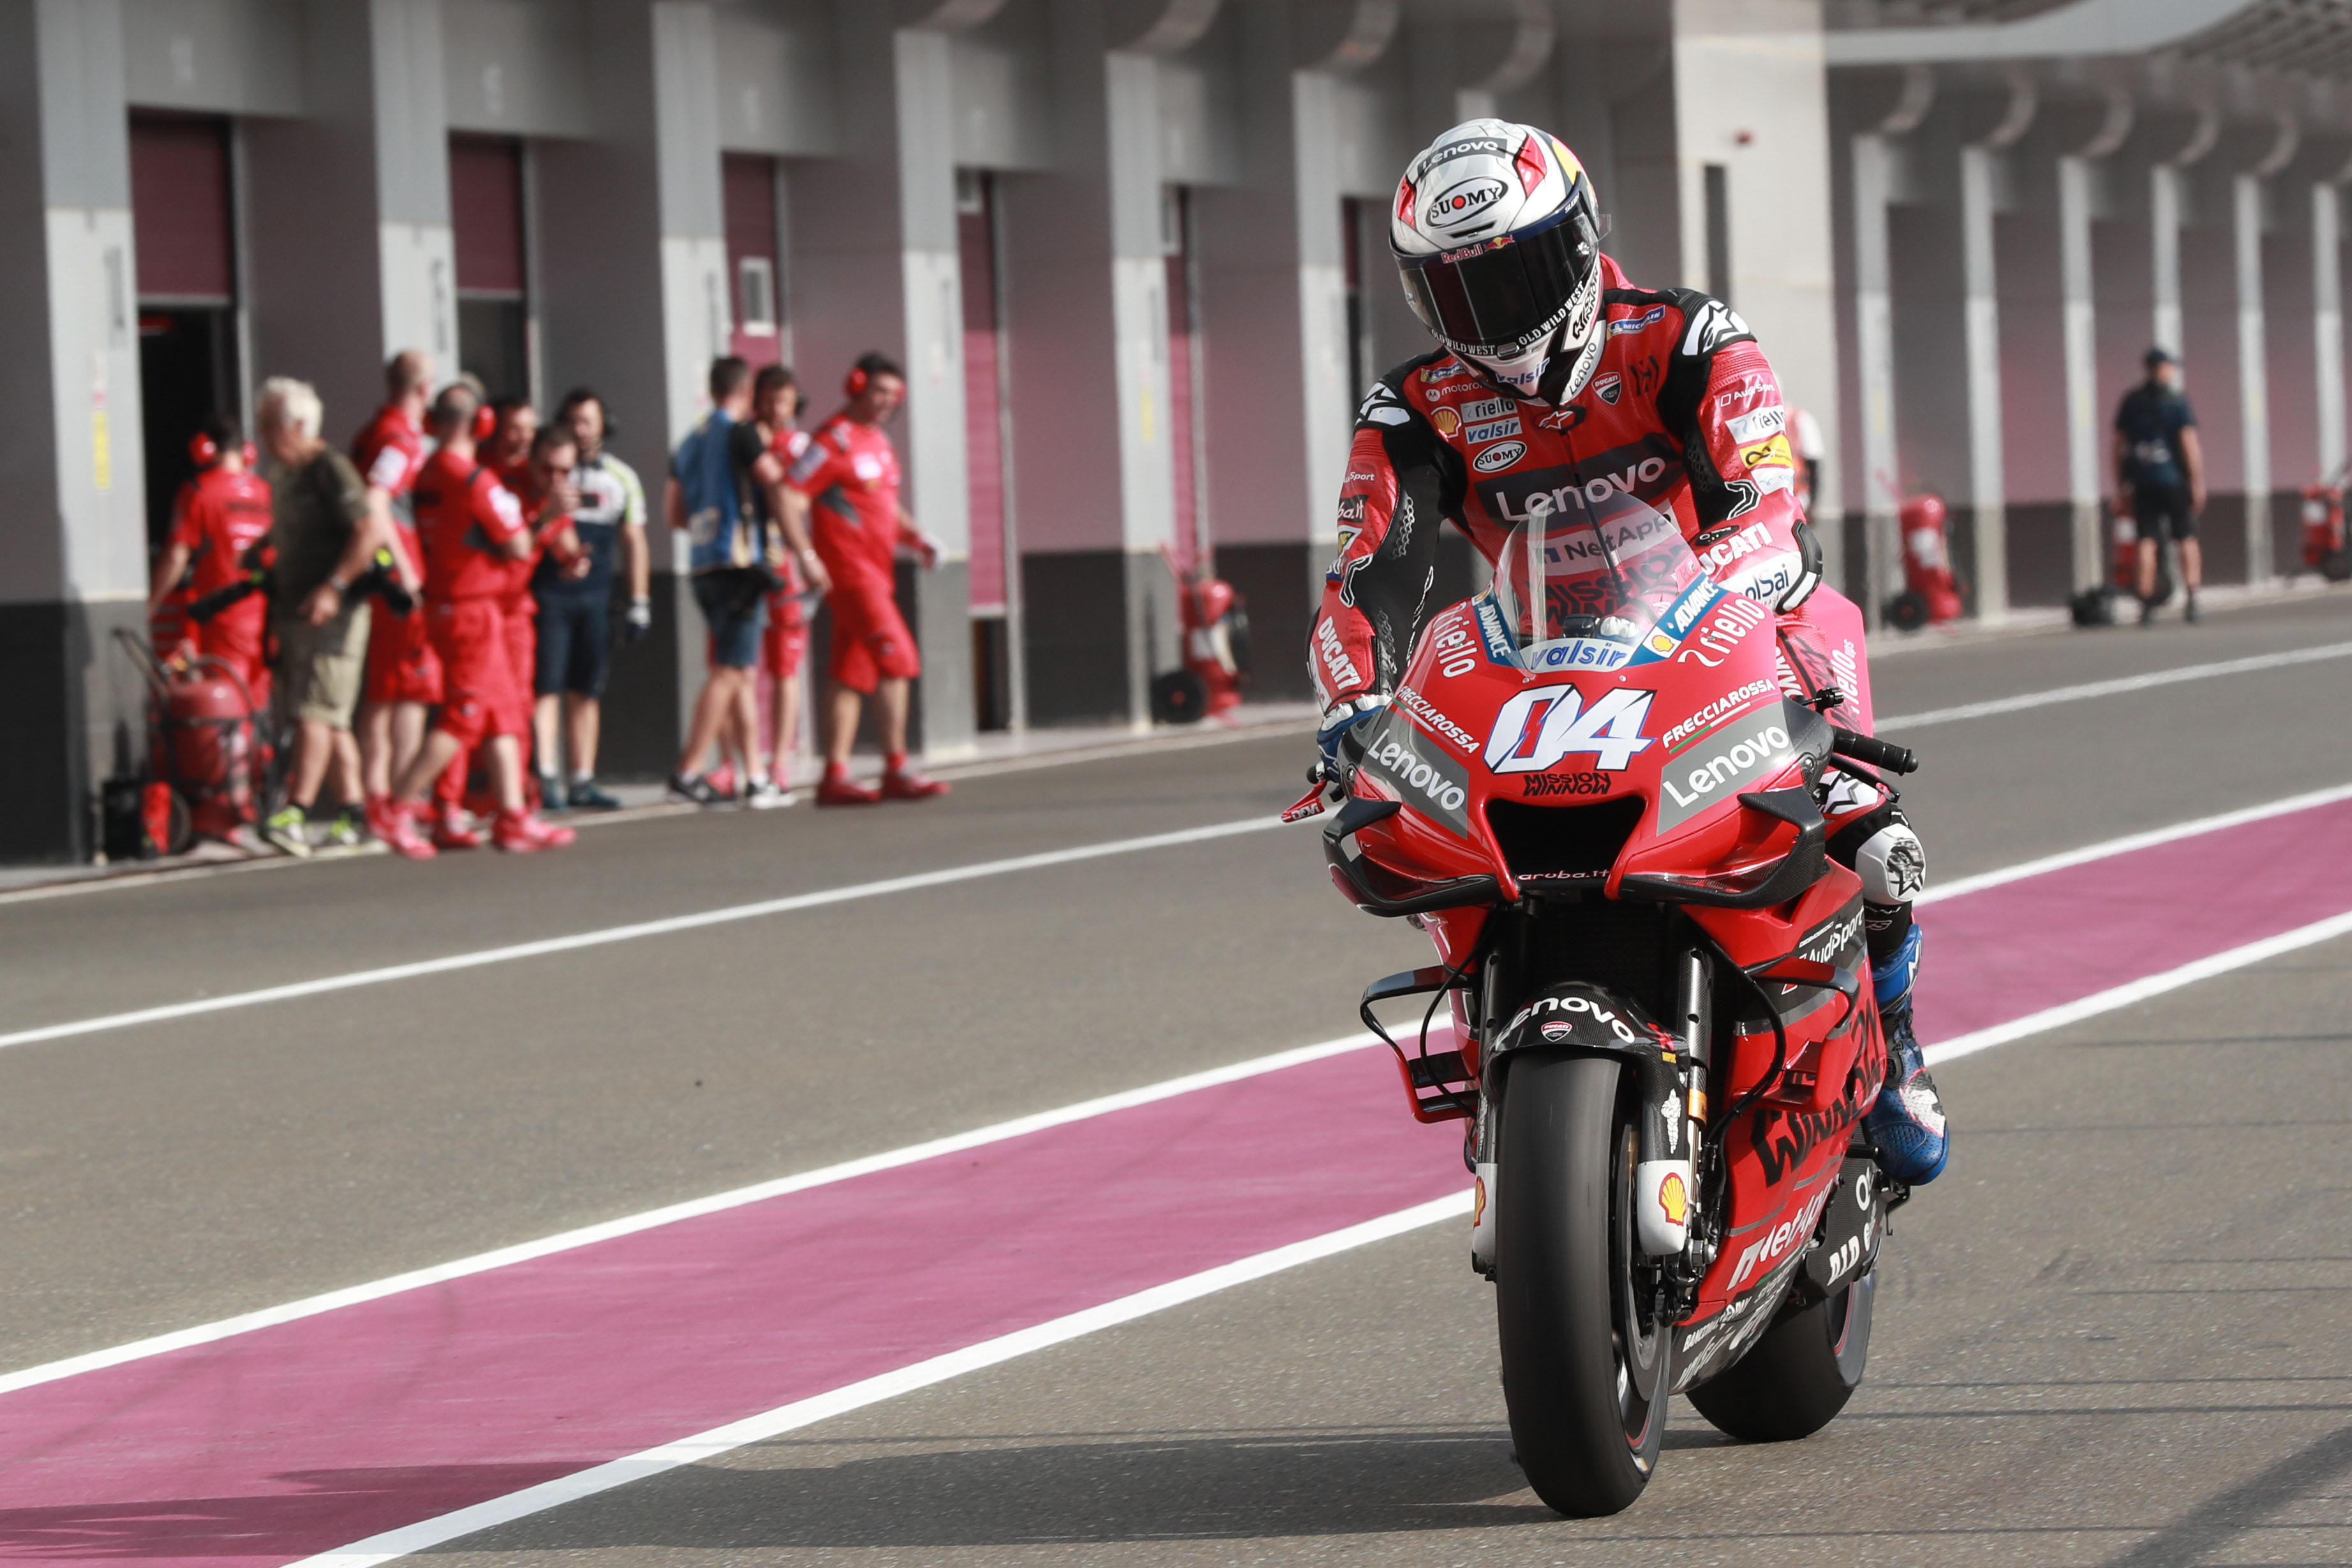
pixel 1665 731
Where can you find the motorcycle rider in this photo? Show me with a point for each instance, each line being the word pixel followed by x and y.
pixel 1553 374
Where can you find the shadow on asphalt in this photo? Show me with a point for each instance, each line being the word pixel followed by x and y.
pixel 1078 1490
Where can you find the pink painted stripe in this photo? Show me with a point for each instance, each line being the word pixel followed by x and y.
pixel 2015 949
pixel 302 1437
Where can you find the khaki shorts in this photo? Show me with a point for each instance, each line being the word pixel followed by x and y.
pixel 322 668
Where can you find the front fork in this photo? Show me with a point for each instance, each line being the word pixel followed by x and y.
pixel 1677 1231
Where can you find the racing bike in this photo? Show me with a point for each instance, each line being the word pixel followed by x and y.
pixel 1593 794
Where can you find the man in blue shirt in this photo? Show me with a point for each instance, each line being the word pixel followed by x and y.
pixel 707 499
pixel 2160 478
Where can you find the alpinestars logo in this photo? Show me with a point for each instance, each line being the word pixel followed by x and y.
pixel 1714 325
pixel 1381 407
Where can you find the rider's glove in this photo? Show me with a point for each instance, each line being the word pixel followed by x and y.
pixel 1809 569
pixel 1343 716
pixel 639 621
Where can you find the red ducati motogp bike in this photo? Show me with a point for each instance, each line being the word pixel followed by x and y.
pixel 1591 793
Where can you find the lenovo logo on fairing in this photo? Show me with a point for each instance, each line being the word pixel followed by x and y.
pixel 1729 760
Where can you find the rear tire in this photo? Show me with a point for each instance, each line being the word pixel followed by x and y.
pixel 1585 1369
pixel 1795 1379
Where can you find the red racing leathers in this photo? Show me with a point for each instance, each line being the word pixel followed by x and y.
pixel 1683 413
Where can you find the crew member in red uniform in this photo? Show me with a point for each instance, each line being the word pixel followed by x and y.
pixel 473 528
pixel 1556 381
pixel 783 642
pixel 403 674
pixel 219 515
pixel 512 425
pixel 849 475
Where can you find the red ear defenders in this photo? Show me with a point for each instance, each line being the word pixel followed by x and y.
pixel 485 423
pixel 203 452
pixel 857 380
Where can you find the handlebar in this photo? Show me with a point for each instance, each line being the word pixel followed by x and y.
pixel 1868 748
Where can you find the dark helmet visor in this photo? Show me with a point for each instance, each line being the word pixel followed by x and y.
pixel 1499 297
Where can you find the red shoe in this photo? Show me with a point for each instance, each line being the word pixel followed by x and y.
pixel 838 788
pixel 520 833
pixel 905 784
pixel 451 830
pixel 396 826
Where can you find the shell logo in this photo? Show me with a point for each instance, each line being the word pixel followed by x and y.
pixel 1674 1200
pixel 1478 1204
pixel 1448 423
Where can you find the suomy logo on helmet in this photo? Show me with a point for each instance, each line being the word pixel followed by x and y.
pixel 1464 200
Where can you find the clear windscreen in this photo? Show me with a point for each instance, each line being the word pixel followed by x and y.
pixel 1582 580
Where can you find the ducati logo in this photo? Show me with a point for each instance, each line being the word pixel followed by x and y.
pixel 1608 388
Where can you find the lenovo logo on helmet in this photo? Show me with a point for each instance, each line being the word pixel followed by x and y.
pixel 1464 200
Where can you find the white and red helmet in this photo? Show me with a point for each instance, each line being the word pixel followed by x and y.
pixel 1499 239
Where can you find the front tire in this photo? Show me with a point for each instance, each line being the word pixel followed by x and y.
pixel 1794 1380
pixel 1584 1359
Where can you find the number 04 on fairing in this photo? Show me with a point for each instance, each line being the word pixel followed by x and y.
pixel 1591 793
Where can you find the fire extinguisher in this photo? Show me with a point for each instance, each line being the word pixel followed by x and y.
pixel 2323 531
pixel 1930 595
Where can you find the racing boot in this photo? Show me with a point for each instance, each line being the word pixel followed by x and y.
pixel 838 788
pixel 1907 1120
pixel 520 833
pixel 900 782
pixel 452 829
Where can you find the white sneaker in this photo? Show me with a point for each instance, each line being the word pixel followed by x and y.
pixel 766 795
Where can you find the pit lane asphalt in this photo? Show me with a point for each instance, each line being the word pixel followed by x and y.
pixel 169 1175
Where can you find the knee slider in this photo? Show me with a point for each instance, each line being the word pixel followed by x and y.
pixel 1892 863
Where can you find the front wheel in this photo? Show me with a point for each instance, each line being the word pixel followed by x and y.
pixel 1584 1353
pixel 1795 1379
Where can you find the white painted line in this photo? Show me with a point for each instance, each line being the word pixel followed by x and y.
pixel 603 1477
pixel 628 1224
pixel 2153 837
pixel 2140 990
pixel 2090 689
pixel 631 933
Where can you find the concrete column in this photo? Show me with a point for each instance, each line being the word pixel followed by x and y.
pixel 2253 371
pixel 1988 494
pixel 2084 450
pixel 1138 301
pixel 347 209
pixel 2164 237
pixel 1273 289
pixel 2328 322
pixel 74 565
pixel 1875 352
pixel 1750 93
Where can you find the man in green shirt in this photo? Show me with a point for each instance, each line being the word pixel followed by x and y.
pixel 326 526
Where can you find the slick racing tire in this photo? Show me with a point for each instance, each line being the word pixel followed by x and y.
pixel 1585 1358
pixel 1906 612
pixel 1799 1375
